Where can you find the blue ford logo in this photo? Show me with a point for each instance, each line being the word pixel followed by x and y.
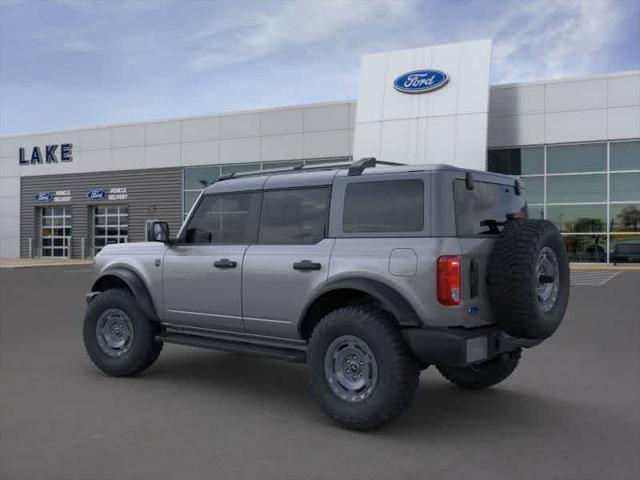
pixel 97 195
pixel 44 196
pixel 420 81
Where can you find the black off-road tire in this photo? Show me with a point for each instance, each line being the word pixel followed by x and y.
pixel 513 278
pixel 397 370
pixel 484 375
pixel 144 348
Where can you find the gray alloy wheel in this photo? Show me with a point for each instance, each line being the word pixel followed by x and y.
pixel 548 274
pixel 114 332
pixel 351 368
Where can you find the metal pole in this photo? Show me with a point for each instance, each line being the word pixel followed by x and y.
pixel 30 243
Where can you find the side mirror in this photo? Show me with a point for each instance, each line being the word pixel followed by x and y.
pixel 160 232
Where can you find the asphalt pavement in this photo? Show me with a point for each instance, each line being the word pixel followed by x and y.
pixel 570 411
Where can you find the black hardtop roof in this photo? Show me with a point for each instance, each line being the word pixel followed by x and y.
pixel 324 174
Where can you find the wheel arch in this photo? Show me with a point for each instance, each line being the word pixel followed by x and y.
pixel 122 277
pixel 356 290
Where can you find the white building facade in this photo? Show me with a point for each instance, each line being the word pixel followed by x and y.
pixel 575 142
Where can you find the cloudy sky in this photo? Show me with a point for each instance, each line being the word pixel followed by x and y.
pixel 77 63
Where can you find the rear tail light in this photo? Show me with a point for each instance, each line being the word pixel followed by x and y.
pixel 449 280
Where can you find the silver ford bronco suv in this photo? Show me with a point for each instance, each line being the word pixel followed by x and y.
pixel 366 274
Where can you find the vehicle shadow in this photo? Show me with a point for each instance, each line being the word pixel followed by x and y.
pixel 438 408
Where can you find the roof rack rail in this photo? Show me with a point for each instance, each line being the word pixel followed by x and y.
pixel 359 166
pixel 296 168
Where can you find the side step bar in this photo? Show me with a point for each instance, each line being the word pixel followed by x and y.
pixel 280 353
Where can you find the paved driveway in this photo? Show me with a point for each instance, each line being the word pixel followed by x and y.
pixel 571 410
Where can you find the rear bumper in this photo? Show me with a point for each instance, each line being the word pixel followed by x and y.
pixel 459 347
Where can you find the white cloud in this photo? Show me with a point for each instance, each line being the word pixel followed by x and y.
pixel 549 38
pixel 290 24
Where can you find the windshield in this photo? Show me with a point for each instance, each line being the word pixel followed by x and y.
pixel 484 209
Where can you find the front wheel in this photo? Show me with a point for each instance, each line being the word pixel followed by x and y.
pixel 118 337
pixel 483 375
pixel 362 372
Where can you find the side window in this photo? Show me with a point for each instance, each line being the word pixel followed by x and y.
pixel 296 216
pixel 230 218
pixel 385 206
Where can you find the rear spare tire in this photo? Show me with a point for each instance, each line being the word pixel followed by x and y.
pixel 529 278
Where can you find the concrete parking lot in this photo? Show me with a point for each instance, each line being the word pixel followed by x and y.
pixel 570 411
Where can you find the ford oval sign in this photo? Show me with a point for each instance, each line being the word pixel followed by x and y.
pixel 44 196
pixel 97 195
pixel 420 81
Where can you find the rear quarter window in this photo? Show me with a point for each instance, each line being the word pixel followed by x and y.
pixel 487 201
pixel 384 206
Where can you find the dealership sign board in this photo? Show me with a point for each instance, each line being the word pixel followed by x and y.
pixel 52 153
pixel 57 196
pixel 420 81
pixel 117 193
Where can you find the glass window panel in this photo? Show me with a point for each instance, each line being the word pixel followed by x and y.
pixel 112 231
pixel 99 210
pixel 624 156
pixel 189 199
pixel 576 188
pixel 46 252
pixel 577 158
pixel 624 217
pixel 58 252
pixel 578 218
pixel 196 178
pixel 536 211
pixel 47 221
pixel 391 206
pixel 46 242
pixel 241 167
pixel 586 248
pixel 296 216
pixel 99 220
pixel 228 218
pixel 487 201
pixel 57 242
pixel 99 242
pixel 625 187
pixel 274 165
pixel 517 161
pixel 624 249
pixel 534 187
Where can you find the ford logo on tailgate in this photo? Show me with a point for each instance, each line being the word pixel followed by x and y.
pixel 97 195
pixel 420 81
pixel 44 196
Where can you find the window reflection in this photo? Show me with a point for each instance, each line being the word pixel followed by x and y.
pixel 586 248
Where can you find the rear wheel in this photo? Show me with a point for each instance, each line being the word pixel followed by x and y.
pixel 483 375
pixel 118 337
pixel 362 372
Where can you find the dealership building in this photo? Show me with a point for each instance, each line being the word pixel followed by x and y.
pixel 575 143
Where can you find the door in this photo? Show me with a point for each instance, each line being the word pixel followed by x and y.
pixel 289 262
pixel 202 272
pixel 55 231
pixel 110 225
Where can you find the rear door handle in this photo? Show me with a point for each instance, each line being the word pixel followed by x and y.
pixel 306 265
pixel 225 263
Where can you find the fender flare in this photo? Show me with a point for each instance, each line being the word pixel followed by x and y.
pixel 135 284
pixel 389 298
